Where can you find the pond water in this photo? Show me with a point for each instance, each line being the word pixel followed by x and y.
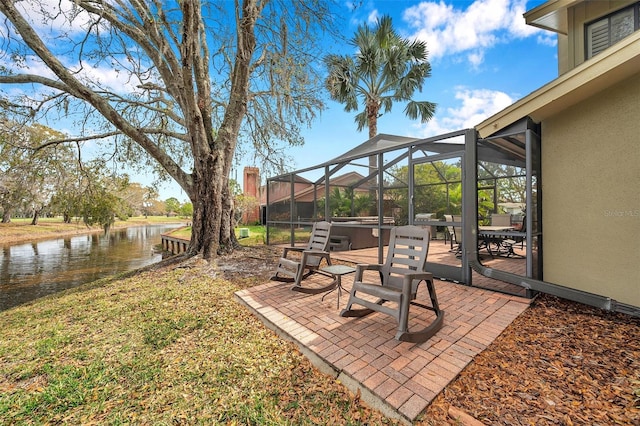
pixel 32 270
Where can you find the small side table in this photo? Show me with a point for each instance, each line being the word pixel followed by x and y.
pixel 337 271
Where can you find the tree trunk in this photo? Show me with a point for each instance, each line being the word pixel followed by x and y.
pixel 207 209
pixel 36 216
pixel 227 236
pixel 6 216
pixel 212 229
pixel 372 117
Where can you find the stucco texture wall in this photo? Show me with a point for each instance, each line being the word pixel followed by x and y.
pixel 591 194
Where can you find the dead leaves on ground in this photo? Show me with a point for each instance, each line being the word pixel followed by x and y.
pixel 559 363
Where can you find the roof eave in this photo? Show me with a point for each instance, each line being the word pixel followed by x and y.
pixel 613 65
pixel 551 16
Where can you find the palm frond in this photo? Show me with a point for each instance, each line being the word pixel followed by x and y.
pixel 361 120
pixel 385 69
pixel 422 110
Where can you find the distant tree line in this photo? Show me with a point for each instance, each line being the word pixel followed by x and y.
pixel 39 180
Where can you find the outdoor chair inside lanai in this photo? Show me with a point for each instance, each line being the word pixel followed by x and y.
pixel 307 261
pixel 455 233
pixel 510 243
pixel 501 219
pixel 397 289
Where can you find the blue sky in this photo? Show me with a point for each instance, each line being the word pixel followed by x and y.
pixel 483 59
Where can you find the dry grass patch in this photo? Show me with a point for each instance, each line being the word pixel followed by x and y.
pixel 166 346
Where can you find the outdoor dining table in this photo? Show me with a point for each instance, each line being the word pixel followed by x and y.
pixel 493 228
pixel 488 235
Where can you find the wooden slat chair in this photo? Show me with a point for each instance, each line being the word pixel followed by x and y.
pixel 310 256
pixel 400 275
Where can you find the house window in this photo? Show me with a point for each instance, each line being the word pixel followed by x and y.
pixel 611 29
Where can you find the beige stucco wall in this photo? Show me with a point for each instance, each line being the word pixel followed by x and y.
pixel 591 195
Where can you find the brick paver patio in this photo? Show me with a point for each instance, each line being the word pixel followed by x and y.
pixel 398 378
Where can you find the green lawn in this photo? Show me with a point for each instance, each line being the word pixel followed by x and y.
pixel 257 235
pixel 162 347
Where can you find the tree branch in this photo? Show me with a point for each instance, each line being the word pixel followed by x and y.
pixel 33 78
pixel 81 91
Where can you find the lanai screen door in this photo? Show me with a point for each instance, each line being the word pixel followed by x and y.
pixel 508 168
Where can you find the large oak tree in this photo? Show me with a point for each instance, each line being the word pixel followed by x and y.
pixel 181 105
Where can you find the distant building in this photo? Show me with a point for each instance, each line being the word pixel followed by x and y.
pixel 251 185
pixel 305 194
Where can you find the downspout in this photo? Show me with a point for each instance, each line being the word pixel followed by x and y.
pixel 580 296
pixel 470 231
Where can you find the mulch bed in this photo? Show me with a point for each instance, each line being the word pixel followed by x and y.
pixel 559 363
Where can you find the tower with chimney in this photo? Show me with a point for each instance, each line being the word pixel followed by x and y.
pixel 250 188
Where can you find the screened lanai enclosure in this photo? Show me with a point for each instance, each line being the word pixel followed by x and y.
pixel 456 185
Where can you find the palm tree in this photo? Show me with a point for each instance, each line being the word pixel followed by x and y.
pixel 385 69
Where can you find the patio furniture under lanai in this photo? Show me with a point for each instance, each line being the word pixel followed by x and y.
pixel 509 242
pixel 293 270
pixel 500 219
pixel 400 276
pixel 490 237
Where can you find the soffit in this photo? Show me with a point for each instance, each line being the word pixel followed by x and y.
pixel 551 15
pixel 606 69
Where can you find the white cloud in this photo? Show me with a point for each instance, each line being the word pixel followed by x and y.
pixel 55 16
pixel 106 77
pixel 58 23
pixel 547 40
pixel 29 64
pixel 476 58
pixel 474 107
pixel 373 17
pixel 448 30
pixel 110 78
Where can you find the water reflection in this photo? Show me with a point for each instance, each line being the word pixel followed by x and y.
pixel 32 270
